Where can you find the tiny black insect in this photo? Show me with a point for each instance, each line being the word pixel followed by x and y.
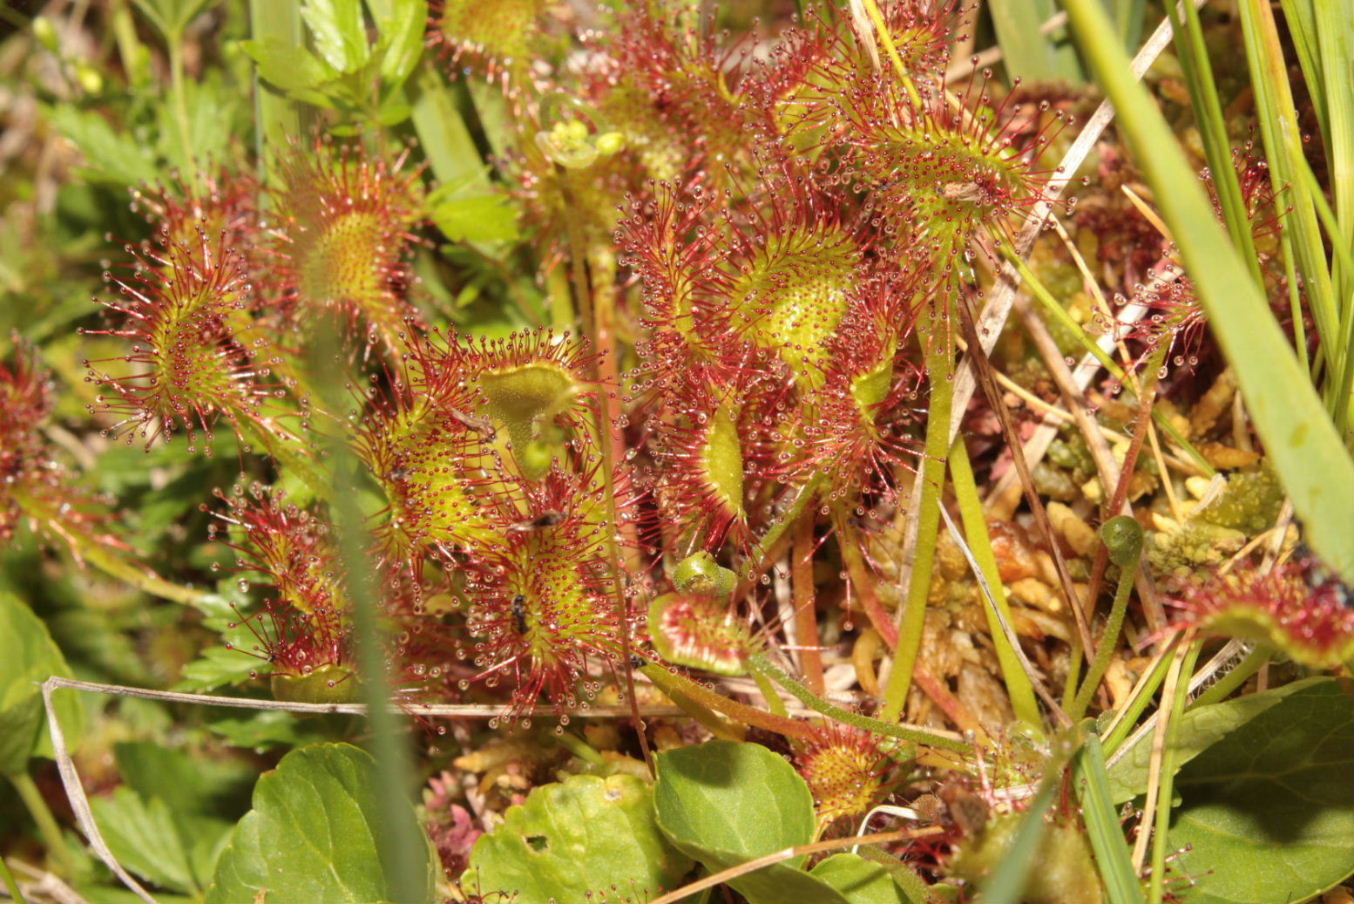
pixel 540 522
pixel 519 613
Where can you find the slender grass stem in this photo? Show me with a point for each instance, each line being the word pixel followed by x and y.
pixel 1166 788
pixel 399 842
pixel 1139 699
pixel 1018 686
pixel 1123 537
pixel 684 691
pixel 882 34
pixel 179 98
pixel 757 662
pixel 598 324
pixel 36 805
pixel 933 327
pixel 806 615
pixel 1254 661
pixel 1102 825
pixel 11 883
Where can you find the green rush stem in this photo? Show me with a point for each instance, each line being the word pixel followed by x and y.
pixel 806 615
pixel 757 662
pixel 1018 686
pixel 179 99
pixel 579 748
pixel 1127 719
pixel 1157 879
pixel 399 841
pixel 680 688
pixel 933 329
pixel 1050 304
pixel 36 805
pixel 11 883
pixel 1108 640
pixel 773 700
pixel 1243 670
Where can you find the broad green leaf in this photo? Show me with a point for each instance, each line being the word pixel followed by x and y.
pixel 1268 812
pixel 109 156
pixel 340 35
pixel 1027 53
pixel 287 67
pixel 170 849
pixel 575 840
pixel 401 23
pixel 311 836
pixel 187 783
pixel 859 880
pixel 477 218
pixel 1199 729
pixel 218 667
pixel 724 804
pixel 28 656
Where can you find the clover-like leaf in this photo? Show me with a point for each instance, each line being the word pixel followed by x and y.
pixel 1199 729
pixel 859 880
pixel 311 836
pixel 725 804
pixel 28 656
pixel 1268 811
pixel 574 839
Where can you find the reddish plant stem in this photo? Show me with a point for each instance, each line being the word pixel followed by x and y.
pixel 1147 394
pixel 806 615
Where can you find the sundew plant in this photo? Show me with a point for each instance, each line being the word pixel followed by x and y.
pixel 662 450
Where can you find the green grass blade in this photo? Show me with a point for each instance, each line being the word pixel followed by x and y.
pixel 1207 106
pixel 1018 685
pixel 1128 19
pixel 1335 40
pixel 1112 854
pixel 1006 885
pixel 1283 147
pixel 1299 437
pixel 276 117
pixel 1301 18
pixel 1025 50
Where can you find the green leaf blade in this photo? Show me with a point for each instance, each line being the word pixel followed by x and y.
pixel 1268 812
pixel 311 837
pixel 724 804
pixel 28 657
pixel 574 839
